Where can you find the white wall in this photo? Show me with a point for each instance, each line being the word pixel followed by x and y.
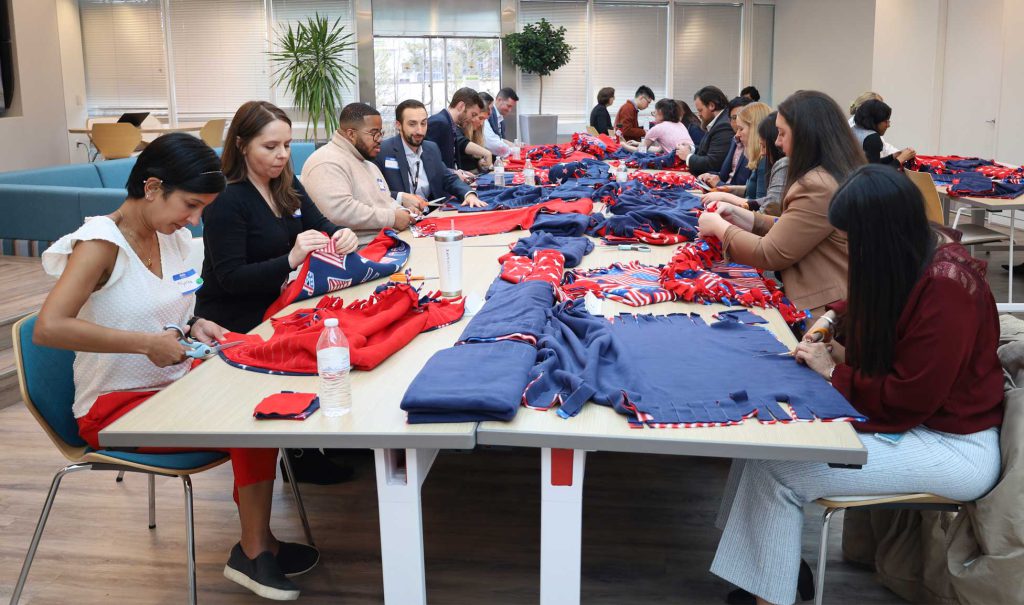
pixel 69 27
pixel 34 133
pixel 823 45
pixel 1010 127
pixel 907 69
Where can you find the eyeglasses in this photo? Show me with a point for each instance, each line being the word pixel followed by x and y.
pixel 376 134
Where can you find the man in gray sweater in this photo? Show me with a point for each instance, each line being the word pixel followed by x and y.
pixel 346 185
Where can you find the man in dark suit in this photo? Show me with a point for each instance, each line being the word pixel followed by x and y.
pixel 413 167
pixel 495 137
pixel 734 170
pixel 444 128
pixel 712 107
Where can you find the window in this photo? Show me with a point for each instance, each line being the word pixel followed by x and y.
pixel 632 50
pixel 707 49
pixel 565 91
pixel 123 48
pixel 763 50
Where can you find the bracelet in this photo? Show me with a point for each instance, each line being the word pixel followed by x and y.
pixel 192 321
pixel 830 321
pixel 832 372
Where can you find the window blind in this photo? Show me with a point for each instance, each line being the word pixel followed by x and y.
pixel 565 90
pixel 707 49
pixel 220 55
pixel 631 42
pixel 123 50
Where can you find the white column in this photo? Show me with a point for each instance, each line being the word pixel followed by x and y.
pixel 561 525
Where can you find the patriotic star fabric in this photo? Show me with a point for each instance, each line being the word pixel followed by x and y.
pixel 326 271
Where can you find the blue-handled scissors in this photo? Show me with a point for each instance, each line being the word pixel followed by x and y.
pixel 628 247
pixel 197 349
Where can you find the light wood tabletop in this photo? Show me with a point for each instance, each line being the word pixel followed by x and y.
pixel 181 127
pixel 212 406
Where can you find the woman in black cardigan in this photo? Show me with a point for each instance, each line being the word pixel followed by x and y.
pixel 256 232
pixel 600 119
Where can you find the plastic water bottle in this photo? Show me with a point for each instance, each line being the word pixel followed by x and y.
pixel 499 173
pixel 333 365
pixel 517 150
pixel 643 146
pixel 529 176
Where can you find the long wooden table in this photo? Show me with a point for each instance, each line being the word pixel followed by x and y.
pixel 212 407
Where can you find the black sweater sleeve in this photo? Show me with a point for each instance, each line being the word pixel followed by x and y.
pixel 312 218
pixel 873 150
pixel 225 238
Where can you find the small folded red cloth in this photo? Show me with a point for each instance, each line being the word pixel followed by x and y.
pixel 287 405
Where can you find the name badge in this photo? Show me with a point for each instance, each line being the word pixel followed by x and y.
pixel 383 186
pixel 188 282
pixel 391 163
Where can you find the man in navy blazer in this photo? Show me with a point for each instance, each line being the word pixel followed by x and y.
pixel 444 128
pixel 713 109
pixel 413 167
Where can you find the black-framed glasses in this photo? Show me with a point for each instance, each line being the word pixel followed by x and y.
pixel 376 134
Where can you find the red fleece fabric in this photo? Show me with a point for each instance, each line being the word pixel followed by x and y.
pixel 376 328
pixel 501 221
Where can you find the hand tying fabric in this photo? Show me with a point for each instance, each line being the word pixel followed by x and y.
pixel 816 356
pixel 345 241
pixel 722 196
pixel 711 224
pixel 742 218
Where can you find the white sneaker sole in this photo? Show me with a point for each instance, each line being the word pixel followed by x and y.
pixel 267 592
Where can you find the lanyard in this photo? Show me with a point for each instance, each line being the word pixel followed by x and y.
pixel 415 178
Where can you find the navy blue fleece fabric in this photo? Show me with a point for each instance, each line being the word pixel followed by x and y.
pixel 975 184
pixel 572 248
pixel 741 316
pixel 587 172
pixel 469 383
pixel 637 207
pixel 570 190
pixel 521 309
pixel 654 161
pixel 561 224
pixel 638 360
pixel 504 198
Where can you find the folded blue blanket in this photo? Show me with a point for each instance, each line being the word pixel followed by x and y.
pixel 572 248
pixel 520 309
pixel 469 383
pixel 561 224
pixel 504 198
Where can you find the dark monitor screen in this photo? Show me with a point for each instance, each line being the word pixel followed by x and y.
pixel 134 119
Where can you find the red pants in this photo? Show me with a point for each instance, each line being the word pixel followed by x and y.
pixel 251 465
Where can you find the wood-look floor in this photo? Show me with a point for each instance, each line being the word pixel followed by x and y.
pixel 647 535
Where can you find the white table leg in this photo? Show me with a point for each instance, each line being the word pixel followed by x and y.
pixel 400 475
pixel 1013 227
pixel 561 525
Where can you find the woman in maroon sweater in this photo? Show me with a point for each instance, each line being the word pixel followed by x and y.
pixel 921 330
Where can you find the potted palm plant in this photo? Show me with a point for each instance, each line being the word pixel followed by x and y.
pixel 312 67
pixel 539 49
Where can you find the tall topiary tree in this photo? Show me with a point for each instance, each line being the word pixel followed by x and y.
pixel 539 49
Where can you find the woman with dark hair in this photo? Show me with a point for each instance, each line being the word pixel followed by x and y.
pixel 122 278
pixel 809 253
pixel 933 420
pixel 667 132
pixel 691 121
pixel 773 161
pixel 870 122
pixel 600 119
pixel 261 228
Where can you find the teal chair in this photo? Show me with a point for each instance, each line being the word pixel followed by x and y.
pixel 47 387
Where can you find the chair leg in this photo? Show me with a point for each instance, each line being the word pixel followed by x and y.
pixel 298 497
pixel 819 586
pixel 152 501
pixel 54 486
pixel 120 476
pixel 190 539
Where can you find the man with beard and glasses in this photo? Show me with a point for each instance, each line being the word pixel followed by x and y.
pixel 346 185
pixel 413 167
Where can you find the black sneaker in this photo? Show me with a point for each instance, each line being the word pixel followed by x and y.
pixel 295 559
pixel 261 575
pixel 311 466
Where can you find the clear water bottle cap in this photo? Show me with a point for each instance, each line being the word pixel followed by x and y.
pixel 331 323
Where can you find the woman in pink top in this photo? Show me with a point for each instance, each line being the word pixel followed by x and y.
pixel 667 131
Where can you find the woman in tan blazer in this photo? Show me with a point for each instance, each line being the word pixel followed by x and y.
pixel 801 244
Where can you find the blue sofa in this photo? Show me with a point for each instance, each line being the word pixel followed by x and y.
pixel 39 206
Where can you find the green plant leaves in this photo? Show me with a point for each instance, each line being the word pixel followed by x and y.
pixel 312 67
pixel 539 49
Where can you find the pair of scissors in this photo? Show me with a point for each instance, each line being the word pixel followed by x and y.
pixel 197 349
pixel 627 247
pixel 404 278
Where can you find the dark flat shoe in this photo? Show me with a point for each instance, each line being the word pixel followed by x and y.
pixel 804 587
